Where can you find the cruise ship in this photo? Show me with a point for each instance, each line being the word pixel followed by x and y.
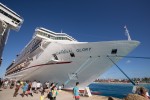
pixel 59 58
pixel 8 20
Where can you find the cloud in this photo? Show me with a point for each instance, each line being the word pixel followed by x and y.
pixel 128 61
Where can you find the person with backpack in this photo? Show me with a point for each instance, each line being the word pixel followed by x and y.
pixel 54 93
pixel 49 95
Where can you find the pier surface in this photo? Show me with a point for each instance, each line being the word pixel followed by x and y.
pixel 7 94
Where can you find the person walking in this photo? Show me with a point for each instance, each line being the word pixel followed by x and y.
pixel 76 91
pixel 39 85
pixel 34 86
pixel 42 96
pixel 0 82
pixel 17 88
pixel 25 88
pixel 49 95
pixel 44 87
pixel 12 83
pixel 54 93
pixel 29 91
pixel 5 84
pixel 47 84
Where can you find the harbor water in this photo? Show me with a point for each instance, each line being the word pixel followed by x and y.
pixel 114 90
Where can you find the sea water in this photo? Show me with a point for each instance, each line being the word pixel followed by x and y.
pixel 115 90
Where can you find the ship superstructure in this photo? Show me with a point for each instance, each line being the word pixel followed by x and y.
pixel 40 40
pixel 8 20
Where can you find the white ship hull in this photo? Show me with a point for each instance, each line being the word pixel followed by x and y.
pixel 88 62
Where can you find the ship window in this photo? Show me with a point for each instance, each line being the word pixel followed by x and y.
pixel 55 57
pixel 48 36
pixel 114 51
pixel 72 54
pixel 1 11
pixel 9 16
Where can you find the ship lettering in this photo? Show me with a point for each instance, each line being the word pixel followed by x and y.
pixel 69 51
pixel 64 51
pixel 83 49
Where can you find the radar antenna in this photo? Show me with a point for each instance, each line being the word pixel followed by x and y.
pixel 127 33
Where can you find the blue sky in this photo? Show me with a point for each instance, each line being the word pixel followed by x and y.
pixel 85 20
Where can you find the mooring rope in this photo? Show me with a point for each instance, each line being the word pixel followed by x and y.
pixel 121 70
pixel 131 57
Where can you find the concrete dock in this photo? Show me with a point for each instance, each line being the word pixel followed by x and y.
pixel 7 94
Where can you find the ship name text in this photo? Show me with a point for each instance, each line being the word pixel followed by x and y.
pixel 79 50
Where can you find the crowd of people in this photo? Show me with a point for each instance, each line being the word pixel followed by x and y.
pixel 29 88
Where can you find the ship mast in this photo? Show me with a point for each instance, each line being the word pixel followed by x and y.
pixel 127 33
